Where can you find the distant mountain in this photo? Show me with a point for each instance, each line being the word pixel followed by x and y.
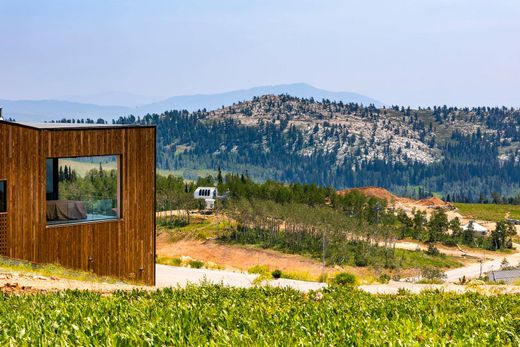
pixel 214 101
pixel 45 110
pixel 112 98
pixel 41 110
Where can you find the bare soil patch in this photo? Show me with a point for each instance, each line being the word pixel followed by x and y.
pixel 376 192
pixel 241 258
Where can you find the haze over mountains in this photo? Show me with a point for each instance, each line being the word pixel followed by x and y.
pixel 101 105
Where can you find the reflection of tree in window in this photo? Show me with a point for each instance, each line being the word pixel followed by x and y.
pixel 87 184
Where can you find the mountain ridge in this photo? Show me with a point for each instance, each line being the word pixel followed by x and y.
pixel 49 109
pixel 464 152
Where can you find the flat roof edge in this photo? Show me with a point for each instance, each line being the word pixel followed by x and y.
pixel 76 126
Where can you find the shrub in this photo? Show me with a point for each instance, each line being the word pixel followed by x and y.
pixel 360 260
pixel 323 277
pixel 463 280
pixel 432 250
pixel 169 261
pixel 403 291
pixel 383 278
pixel 276 274
pixel 432 274
pixel 171 223
pixel 344 279
pixel 197 264
pixel 476 282
pixel 258 269
pixel 299 276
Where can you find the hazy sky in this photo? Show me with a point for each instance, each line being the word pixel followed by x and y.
pixel 420 52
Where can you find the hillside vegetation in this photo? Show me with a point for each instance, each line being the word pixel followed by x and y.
pixel 213 315
pixel 492 212
pixel 301 217
pixel 465 153
pixel 350 229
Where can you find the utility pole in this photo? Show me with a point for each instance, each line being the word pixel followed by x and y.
pixel 323 257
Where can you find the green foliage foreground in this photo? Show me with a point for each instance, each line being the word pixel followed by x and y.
pixel 215 315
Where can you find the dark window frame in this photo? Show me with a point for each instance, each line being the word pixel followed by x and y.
pixel 120 178
pixel 4 202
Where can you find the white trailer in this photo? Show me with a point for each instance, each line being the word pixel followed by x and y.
pixel 208 194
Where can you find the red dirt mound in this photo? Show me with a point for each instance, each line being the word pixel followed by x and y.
pixel 376 192
pixel 433 201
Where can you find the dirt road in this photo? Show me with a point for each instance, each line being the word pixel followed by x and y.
pixel 475 270
pixel 171 276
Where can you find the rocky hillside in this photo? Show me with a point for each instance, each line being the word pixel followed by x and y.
pixel 339 129
pixel 467 153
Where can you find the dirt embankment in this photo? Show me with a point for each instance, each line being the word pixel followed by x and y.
pixel 382 193
pixel 376 192
pixel 17 282
pixel 406 204
pixel 433 202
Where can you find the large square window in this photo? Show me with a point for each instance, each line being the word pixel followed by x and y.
pixel 83 189
pixel 3 197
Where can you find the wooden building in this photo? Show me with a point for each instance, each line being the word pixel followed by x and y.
pixel 80 195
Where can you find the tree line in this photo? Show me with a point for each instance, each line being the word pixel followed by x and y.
pixel 474 166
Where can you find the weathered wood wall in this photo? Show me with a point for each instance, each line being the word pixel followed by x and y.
pixel 123 248
pixel 3 176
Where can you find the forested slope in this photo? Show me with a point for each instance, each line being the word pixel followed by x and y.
pixel 466 153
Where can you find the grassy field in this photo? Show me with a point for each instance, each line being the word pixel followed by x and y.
pixel 490 212
pixel 220 316
pixel 416 259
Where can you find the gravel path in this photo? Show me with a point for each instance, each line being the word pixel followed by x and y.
pixel 474 270
pixel 171 276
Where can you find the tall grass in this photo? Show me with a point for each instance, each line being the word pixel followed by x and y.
pixel 25 267
pixel 220 316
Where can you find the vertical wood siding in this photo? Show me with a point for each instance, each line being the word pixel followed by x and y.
pixel 123 248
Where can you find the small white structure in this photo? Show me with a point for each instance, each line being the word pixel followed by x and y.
pixel 208 194
pixel 477 228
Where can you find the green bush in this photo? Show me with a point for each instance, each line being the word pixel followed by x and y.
pixel 360 260
pixel 432 250
pixel 433 274
pixel 383 278
pixel 197 264
pixel 344 279
pixel 276 274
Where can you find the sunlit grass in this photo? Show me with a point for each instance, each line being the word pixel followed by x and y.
pixel 489 212
pixel 49 270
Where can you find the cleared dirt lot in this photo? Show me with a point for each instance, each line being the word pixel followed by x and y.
pixel 238 257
